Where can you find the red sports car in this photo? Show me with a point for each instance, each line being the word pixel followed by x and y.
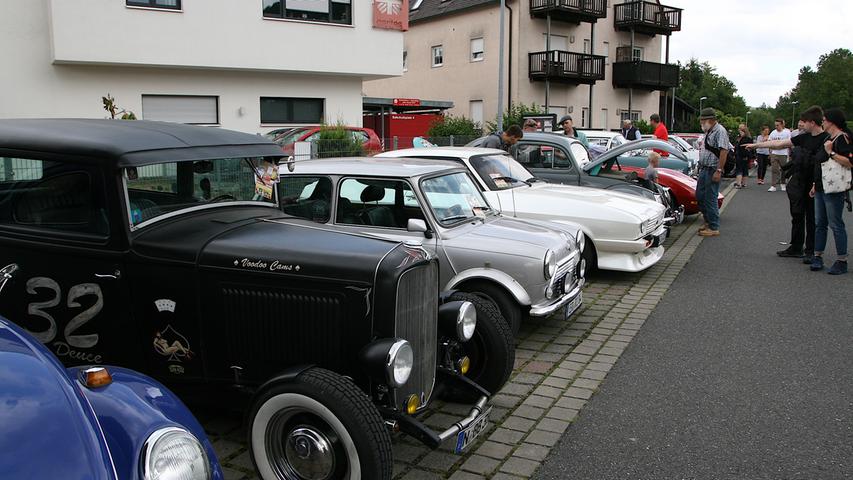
pixel 683 187
pixel 371 142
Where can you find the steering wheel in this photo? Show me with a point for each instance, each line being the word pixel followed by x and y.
pixel 224 196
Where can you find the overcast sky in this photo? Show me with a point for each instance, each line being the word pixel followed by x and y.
pixel 756 43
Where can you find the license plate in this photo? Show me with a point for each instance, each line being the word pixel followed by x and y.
pixel 574 305
pixel 471 432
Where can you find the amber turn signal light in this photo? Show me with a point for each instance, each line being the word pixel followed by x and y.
pixel 97 377
pixel 413 404
pixel 464 365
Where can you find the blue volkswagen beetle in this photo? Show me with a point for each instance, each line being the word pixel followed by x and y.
pixel 91 422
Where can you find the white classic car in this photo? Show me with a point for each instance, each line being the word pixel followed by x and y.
pixel 623 232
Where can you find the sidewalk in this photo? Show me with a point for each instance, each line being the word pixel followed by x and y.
pixel 742 371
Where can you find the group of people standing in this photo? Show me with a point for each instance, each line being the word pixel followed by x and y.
pixel 816 198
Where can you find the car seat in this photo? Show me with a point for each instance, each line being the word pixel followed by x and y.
pixel 378 215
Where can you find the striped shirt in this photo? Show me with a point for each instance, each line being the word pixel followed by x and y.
pixel 716 137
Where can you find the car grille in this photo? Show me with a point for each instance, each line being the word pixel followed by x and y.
pixel 417 321
pixel 564 279
pixel 652 224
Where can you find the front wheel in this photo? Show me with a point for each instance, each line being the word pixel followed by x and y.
pixel 509 308
pixel 320 426
pixel 491 350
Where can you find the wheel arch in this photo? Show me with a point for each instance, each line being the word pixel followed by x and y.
pixel 495 277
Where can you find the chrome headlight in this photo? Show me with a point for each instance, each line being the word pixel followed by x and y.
pixel 550 264
pixel 174 453
pixel 401 358
pixel 582 268
pixel 466 322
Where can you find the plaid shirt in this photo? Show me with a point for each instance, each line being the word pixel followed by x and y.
pixel 716 137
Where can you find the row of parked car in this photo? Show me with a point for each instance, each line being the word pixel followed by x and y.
pixel 329 300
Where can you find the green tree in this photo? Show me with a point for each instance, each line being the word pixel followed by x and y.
pixel 700 79
pixel 830 85
pixel 514 115
pixel 449 125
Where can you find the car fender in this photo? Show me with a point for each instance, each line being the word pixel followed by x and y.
pixel 133 407
pixel 495 276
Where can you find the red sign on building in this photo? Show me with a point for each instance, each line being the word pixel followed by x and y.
pixel 407 102
pixel 391 14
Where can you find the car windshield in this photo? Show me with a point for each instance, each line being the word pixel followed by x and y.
pixel 454 198
pixel 164 188
pixel 500 172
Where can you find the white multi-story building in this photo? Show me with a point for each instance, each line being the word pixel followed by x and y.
pixel 615 47
pixel 249 65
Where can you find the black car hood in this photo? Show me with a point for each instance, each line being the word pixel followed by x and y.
pixel 286 247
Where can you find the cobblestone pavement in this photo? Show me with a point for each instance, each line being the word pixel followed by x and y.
pixel 559 366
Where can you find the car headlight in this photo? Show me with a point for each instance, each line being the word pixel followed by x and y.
pixel 582 268
pixel 400 361
pixel 466 322
pixel 550 264
pixel 174 453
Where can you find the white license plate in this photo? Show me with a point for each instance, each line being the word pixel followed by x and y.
pixel 471 432
pixel 573 305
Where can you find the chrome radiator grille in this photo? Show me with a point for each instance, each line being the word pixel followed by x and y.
pixel 417 321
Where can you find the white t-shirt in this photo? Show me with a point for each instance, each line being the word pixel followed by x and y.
pixel 785 134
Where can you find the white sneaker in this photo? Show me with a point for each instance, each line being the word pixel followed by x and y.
pixel 771 189
pixel 783 187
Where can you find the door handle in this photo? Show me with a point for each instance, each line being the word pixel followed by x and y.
pixel 112 276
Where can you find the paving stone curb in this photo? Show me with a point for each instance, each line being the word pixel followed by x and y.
pixel 559 367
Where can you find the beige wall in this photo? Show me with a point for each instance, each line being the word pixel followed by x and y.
pixel 461 81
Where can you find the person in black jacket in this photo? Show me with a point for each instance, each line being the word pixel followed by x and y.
pixel 809 149
pixel 742 155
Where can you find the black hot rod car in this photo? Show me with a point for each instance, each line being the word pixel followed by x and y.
pixel 160 247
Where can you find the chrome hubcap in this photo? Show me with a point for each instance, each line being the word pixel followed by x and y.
pixel 309 453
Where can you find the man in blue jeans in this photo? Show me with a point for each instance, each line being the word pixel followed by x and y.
pixel 712 157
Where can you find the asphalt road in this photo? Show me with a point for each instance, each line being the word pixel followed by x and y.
pixel 743 371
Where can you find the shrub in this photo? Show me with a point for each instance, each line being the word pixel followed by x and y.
pixel 449 125
pixel 337 141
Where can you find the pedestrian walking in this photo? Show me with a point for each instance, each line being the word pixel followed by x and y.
pixel 742 155
pixel 504 140
pixel 807 151
pixel 629 131
pixel 712 157
pixel 778 156
pixel 762 155
pixel 569 130
pixel 660 132
pixel 830 192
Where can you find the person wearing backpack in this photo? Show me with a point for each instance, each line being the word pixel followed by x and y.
pixel 712 158
pixel 832 185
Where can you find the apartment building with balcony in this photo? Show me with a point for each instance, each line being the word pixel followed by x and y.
pixel 244 65
pixel 614 47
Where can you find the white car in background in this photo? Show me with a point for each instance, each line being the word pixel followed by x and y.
pixel 623 232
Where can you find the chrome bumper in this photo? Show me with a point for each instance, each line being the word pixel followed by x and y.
pixel 546 310
pixel 676 216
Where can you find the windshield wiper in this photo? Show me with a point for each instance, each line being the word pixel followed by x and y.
pixel 454 217
pixel 534 179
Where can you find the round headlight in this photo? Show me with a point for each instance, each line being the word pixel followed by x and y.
pixel 400 361
pixel 582 268
pixel 581 241
pixel 466 321
pixel 174 453
pixel 550 264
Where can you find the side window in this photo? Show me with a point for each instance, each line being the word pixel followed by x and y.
pixel 306 197
pixel 562 159
pixel 360 136
pixel 531 156
pixel 375 202
pixel 58 196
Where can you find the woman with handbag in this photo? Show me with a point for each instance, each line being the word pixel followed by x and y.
pixel 832 183
pixel 762 154
pixel 742 155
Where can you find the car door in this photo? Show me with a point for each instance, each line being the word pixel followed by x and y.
pixel 548 161
pixel 69 292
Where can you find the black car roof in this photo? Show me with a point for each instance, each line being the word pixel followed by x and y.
pixel 129 142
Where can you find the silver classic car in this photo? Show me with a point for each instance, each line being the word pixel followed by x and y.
pixel 523 267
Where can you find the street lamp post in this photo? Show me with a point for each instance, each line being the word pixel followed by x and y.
pixel 747 118
pixel 700 103
pixel 794 112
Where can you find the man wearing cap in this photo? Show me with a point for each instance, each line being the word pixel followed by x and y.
pixel 569 130
pixel 712 157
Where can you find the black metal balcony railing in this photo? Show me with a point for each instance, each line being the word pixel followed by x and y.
pixel 644 75
pixel 575 11
pixel 650 18
pixel 566 67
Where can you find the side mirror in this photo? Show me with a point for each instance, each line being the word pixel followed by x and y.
pixel 418 225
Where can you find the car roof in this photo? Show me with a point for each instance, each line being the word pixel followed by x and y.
pixel 600 133
pixel 555 137
pixel 129 142
pixel 439 152
pixel 374 166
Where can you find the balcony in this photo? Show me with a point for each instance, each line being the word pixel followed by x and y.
pixel 574 11
pixel 629 72
pixel 648 18
pixel 566 67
